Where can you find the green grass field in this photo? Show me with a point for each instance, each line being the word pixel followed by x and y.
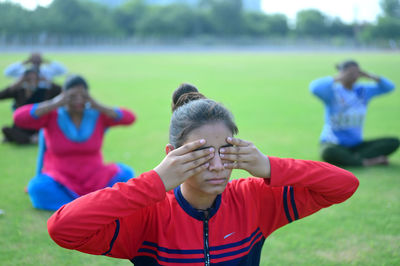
pixel 268 94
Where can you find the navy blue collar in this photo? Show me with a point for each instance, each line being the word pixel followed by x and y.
pixel 199 215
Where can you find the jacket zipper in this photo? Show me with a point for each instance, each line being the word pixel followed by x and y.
pixel 206 246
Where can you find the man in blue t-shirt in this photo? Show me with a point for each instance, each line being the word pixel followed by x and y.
pixel 345 109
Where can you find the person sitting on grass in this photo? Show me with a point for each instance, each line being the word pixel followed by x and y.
pixel 25 91
pixel 186 211
pixel 346 103
pixel 47 70
pixel 71 164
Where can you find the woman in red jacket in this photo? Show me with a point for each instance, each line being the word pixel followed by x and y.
pixel 186 211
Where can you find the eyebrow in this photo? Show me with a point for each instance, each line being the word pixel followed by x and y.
pixel 203 148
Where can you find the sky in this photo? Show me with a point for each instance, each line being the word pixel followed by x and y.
pixel 347 10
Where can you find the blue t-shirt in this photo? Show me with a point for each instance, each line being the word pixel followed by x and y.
pixel 345 109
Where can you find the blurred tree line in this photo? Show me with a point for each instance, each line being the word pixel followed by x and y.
pixel 218 18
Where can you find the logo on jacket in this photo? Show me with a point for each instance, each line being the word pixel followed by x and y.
pixel 228 235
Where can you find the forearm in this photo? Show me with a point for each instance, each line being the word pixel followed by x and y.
pixel 14 70
pixel 24 117
pixel 82 221
pixel 55 69
pixel 322 88
pixel 385 84
pixel 47 106
pixel 367 75
pixel 380 87
pixel 6 93
pixel 329 184
pixel 106 110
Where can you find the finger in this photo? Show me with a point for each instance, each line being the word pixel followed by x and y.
pixel 196 170
pixel 239 146
pixel 236 157
pixel 235 150
pixel 195 155
pixel 237 142
pixel 189 147
pixel 197 163
pixel 235 165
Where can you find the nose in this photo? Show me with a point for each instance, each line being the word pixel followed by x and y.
pixel 216 163
pixel 79 99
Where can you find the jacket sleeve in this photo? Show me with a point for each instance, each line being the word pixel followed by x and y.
pixel 15 70
pixel 53 69
pixel 25 117
pixel 125 117
pixel 7 93
pixel 298 188
pixel 322 88
pixel 374 89
pixel 108 221
pixel 53 91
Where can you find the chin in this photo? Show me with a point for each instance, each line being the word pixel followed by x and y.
pixel 213 189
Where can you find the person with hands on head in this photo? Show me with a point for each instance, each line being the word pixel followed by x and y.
pixel 46 70
pixel 26 91
pixel 346 102
pixel 186 211
pixel 70 162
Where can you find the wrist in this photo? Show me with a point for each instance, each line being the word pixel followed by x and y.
pixel 265 169
pixel 159 171
pixel 56 102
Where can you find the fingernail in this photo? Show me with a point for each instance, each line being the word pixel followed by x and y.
pixel 207 164
pixel 202 141
pixel 222 150
pixel 211 149
pixel 229 139
pixel 221 155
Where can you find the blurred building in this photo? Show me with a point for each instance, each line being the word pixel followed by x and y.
pixel 249 5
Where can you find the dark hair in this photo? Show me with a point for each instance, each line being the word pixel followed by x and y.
pixel 191 110
pixel 73 81
pixel 183 94
pixel 346 64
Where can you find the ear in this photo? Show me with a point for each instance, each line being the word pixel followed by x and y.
pixel 169 148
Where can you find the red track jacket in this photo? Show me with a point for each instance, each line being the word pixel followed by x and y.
pixel 139 221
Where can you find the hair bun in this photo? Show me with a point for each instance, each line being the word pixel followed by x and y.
pixel 185 93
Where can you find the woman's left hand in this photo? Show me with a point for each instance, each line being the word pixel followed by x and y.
pixel 93 103
pixel 245 155
pixel 369 76
pixel 108 111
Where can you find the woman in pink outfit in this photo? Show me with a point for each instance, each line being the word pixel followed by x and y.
pixel 70 162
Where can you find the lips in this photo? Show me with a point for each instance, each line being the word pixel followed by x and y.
pixel 216 181
pixel 79 106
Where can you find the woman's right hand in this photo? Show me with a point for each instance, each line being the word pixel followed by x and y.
pixel 184 162
pixel 61 99
pixel 348 74
pixel 49 105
